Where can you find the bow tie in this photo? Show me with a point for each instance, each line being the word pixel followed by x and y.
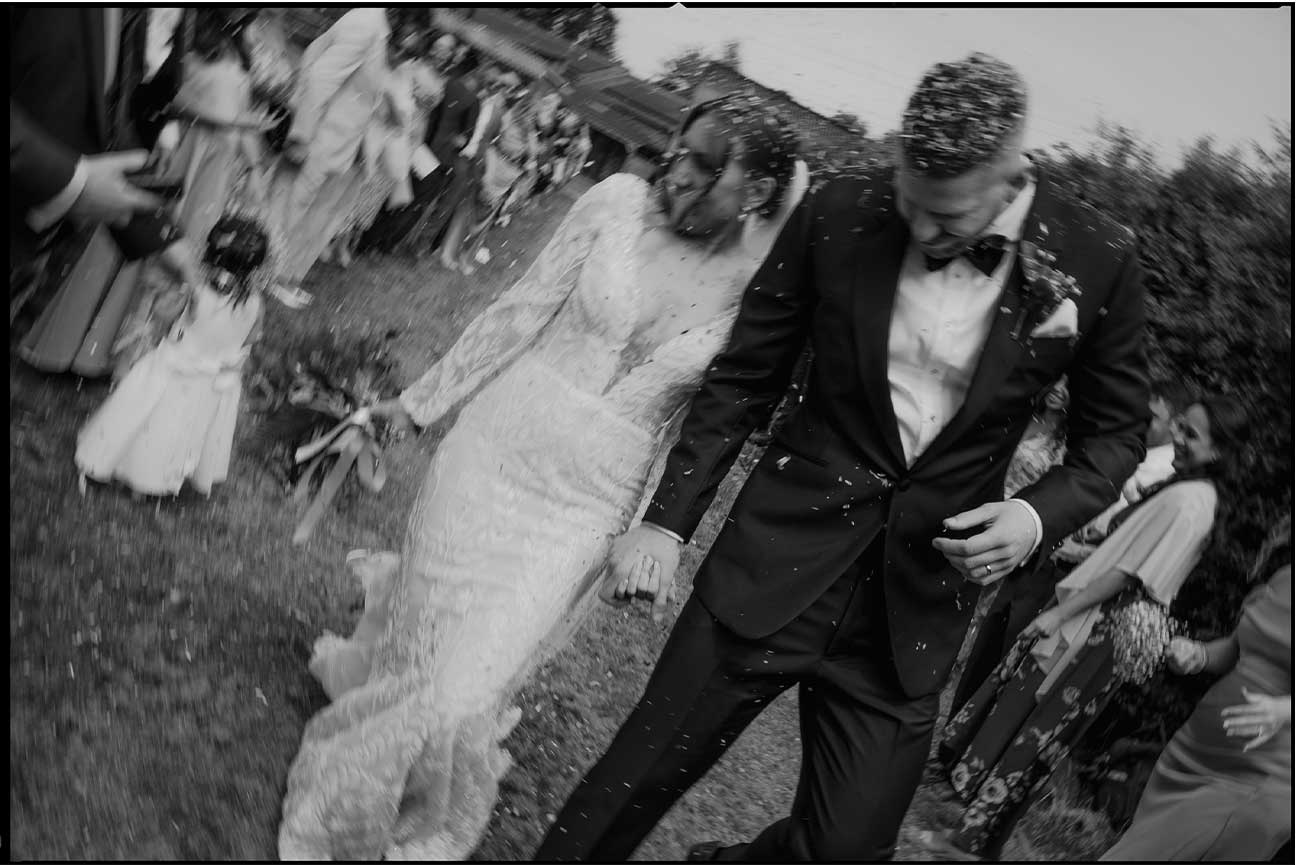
pixel 985 255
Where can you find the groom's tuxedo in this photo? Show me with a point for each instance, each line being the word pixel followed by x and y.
pixel 835 477
pixel 825 574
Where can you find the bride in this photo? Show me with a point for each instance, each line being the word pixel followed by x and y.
pixel 583 366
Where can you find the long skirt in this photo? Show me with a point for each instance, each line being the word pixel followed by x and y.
pixel 1005 740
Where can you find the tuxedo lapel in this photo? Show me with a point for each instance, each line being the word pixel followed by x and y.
pixel 877 268
pixel 1003 348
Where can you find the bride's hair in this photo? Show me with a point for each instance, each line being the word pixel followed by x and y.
pixel 770 145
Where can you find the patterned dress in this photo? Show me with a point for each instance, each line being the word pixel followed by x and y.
pixel 544 466
pixel 1022 721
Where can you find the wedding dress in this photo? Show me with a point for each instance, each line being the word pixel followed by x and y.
pixel 544 466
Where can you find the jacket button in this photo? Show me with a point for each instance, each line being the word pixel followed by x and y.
pixel 902 485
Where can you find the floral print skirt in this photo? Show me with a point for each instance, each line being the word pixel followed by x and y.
pixel 1004 739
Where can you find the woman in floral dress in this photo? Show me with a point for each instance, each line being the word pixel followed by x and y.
pixel 1022 721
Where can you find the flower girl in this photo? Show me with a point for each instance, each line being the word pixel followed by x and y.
pixel 172 417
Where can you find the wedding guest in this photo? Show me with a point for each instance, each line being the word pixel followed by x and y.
pixel 478 198
pixel 172 418
pixel 1222 790
pixel 273 70
pixel 333 141
pixel 397 123
pixel 222 138
pixel 1013 732
pixel 1017 600
pixel 415 227
pixel 64 62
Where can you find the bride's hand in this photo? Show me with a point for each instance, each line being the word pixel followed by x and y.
pixel 642 564
pixel 394 413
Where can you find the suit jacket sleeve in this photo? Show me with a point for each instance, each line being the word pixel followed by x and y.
pixel 39 166
pixel 346 51
pixel 745 382
pixel 1107 418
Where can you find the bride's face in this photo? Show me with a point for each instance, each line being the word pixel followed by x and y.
pixel 702 190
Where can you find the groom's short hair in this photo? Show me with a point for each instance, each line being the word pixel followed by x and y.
pixel 962 115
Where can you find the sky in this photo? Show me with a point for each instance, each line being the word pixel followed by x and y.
pixel 1170 74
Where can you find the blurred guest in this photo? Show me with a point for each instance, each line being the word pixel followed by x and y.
pixel 572 147
pixel 223 136
pixel 416 226
pixel 1222 790
pixel 273 69
pixel 396 120
pixel 333 141
pixel 64 64
pixel 1021 722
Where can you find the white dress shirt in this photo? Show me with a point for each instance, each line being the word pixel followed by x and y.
pixel 940 322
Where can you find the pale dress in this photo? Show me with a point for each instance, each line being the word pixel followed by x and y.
pixel 542 469
pixel 172 417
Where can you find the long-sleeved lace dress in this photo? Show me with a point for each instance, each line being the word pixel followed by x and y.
pixel 544 466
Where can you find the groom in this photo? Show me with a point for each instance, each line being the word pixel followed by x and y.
pixel 938 303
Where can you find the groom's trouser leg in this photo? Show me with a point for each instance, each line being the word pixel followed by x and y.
pixel 707 686
pixel 864 745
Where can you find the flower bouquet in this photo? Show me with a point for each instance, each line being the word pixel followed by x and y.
pixel 1141 631
pixel 316 429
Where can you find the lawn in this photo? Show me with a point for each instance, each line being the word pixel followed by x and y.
pixel 158 682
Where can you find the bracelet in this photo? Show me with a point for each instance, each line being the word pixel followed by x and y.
pixel 1200 657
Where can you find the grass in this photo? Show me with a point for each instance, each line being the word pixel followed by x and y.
pixel 158 682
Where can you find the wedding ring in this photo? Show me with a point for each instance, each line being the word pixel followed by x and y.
pixel 989 570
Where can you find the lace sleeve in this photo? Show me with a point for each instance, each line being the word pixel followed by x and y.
pixel 509 326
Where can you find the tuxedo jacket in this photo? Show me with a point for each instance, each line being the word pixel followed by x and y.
pixel 57 113
pixel 835 477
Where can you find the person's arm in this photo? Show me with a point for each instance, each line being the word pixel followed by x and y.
pixel 1102 588
pixel 1107 417
pixel 1187 657
pixel 745 382
pixel 510 325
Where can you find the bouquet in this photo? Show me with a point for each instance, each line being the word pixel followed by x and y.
pixel 1141 631
pixel 317 429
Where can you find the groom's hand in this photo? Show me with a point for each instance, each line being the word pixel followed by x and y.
pixel 642 564
pixel 1006 537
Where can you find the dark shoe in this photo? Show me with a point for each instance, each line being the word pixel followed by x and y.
pixel 704 852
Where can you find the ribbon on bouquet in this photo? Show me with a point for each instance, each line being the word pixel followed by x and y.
pixel 353 441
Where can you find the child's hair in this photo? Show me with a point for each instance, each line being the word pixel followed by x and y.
pixel 218 30
pixel 236 247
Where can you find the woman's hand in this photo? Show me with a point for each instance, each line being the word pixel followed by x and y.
pixel 1261 717
pixel 1184 657
pixel 394 413
pixel 1044 625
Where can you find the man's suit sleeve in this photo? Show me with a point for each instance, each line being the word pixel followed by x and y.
pixel 744 383
pixel 1108 415
pixel 39 166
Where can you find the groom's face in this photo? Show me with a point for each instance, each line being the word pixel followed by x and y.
pixel 947 215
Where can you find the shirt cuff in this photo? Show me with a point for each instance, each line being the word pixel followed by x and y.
pixel 43 216
pixel 1040 527
pixel 666 532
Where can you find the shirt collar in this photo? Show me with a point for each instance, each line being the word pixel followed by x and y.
pixel 1013 218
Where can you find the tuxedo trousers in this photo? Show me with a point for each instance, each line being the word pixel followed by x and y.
pixel 864 742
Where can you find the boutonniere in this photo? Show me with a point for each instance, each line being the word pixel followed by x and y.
pixel 1049 295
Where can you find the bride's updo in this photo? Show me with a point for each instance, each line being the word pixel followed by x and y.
pixel 732 156
pixel 769 144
